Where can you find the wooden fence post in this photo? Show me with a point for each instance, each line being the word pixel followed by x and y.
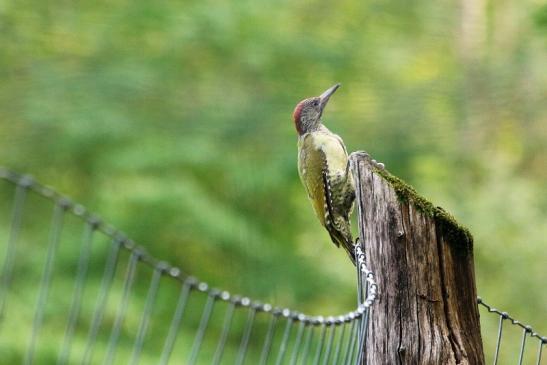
pixel 426 311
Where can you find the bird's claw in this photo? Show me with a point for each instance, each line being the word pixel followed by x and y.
pixel 361 154
pixel 364 155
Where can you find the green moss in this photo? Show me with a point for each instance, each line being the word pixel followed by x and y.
pixel 455 233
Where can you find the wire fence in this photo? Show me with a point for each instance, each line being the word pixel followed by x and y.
pixel 205 325
pixel 527 331
pixel 102 299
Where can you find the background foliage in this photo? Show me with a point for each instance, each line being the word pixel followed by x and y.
pixel 173 121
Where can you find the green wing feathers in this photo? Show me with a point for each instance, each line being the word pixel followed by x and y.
pixel 324 173
pixel 337 220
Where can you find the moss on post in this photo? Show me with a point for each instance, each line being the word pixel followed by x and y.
pixel 455 233
pixel 426 311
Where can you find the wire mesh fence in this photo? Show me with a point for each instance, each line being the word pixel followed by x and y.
pixel 530 345
pixel 95 282
pixel 98 298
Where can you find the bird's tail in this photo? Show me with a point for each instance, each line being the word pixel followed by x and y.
pixel 344 239
pixel 349 248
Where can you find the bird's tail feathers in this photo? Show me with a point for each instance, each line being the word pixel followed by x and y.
pixel 346 242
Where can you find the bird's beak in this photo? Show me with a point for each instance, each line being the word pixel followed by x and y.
pixel 324 98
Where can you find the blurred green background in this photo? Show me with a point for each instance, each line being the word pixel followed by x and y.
pixel 172 120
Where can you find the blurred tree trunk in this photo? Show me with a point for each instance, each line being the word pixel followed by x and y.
pixel 426 311
pixel 471 42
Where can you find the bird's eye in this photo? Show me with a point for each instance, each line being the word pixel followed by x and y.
pixel 315 102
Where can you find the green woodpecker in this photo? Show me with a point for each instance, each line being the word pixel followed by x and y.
pixel 324 170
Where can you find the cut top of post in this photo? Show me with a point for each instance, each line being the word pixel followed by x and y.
pixel 456 234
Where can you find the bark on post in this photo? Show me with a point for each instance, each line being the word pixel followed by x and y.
pixel 426 311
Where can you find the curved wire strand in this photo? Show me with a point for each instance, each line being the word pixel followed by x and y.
pixel 347 350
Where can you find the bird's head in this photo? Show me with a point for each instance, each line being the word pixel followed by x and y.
pixel 307 113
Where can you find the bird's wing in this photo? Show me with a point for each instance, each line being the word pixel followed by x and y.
pixel 337 225
pixel 322 168
pixel 330 223
pixel 311 167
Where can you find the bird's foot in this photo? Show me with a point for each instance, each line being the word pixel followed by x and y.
pixel 360 154
pixel 365 156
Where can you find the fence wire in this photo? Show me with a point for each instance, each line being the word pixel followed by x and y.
pixel 96 332
pixel 179 318
pixel 527 331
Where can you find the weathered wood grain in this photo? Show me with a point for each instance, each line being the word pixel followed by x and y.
pixel 426 311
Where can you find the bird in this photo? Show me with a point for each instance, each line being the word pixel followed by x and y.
pixel 323 168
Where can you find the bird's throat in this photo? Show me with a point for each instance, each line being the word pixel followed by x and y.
pixel 307 126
